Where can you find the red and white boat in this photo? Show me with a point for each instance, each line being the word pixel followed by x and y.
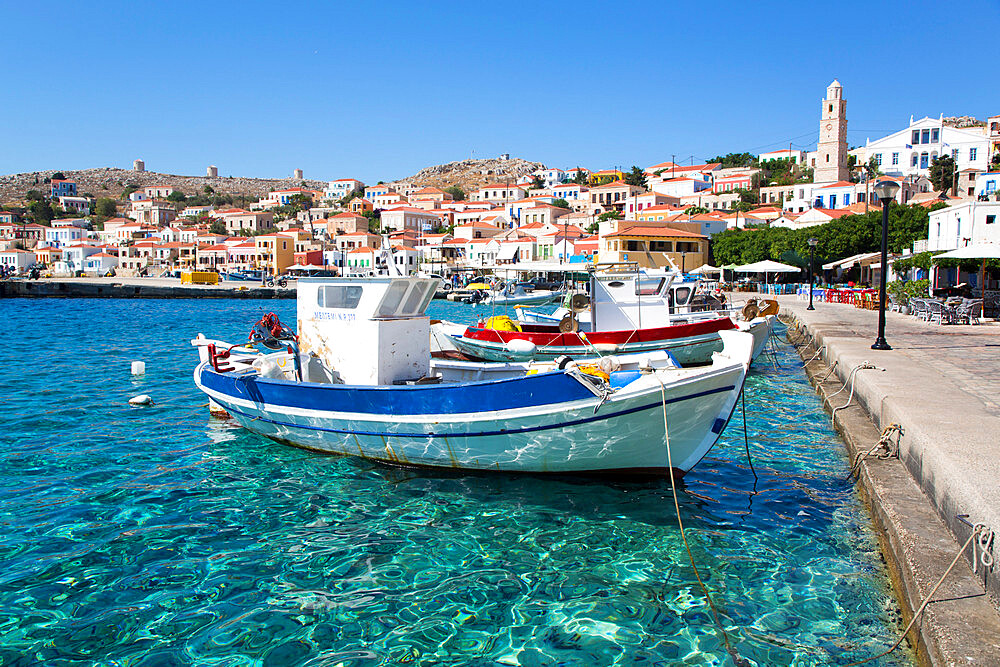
pixel 627 312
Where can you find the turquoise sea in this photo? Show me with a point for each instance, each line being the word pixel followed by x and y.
pixel 161 536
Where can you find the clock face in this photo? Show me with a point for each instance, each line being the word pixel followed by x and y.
pixel 829 126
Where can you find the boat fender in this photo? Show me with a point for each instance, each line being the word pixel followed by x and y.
pixel 609 364
pixel 521 346
pixel 563 361
pixel 141 399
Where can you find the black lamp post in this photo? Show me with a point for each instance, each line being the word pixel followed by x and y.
pixel 812 247
pixel 885 191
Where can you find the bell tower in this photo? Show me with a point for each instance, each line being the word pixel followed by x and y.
pixel 831 152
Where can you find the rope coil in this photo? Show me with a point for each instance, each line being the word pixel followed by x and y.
pixel 889 447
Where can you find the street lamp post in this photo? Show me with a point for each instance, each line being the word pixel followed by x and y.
pixel 885 191
pixel 812 248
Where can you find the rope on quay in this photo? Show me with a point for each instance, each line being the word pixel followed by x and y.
pixel 864 365
pixel 739 661
pixel 890 449
pixel 978 529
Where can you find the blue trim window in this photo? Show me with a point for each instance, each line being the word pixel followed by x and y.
pixel 913 162
pixel 833 201
pixel 847 199
pixel 915 139
pixel 895 159
pixel 925 136
pixel 935 135
pixel 923 160
pixel 972 154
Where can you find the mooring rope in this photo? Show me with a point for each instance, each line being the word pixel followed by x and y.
pixel 889 448
pixel 864 365
pixel 746 437
pixel 740 662
pixel 977 529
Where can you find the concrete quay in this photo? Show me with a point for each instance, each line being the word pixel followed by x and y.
pixel 139 288
pixel 941 384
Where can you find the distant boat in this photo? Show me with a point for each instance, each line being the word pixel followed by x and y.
pixel 518 294
pixel 247 276
pixel 358 379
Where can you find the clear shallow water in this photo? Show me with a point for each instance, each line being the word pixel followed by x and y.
pixel 159 536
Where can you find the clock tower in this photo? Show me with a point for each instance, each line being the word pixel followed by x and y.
pixel 831 152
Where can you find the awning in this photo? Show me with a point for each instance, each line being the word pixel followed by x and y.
pixel 507 251
pixel 705 268
pixel 975 251
pixel 767 266
pixel 863 258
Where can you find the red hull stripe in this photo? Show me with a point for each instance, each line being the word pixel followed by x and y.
pixel 549 335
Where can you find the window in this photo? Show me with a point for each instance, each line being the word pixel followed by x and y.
pixel 632 245
pixel 827 157
pixel 915 139
pixel 925 136
pixel 923 160
pixel 830 108
pixel 972 154
pixel 661 246
pixel 861 197
pixel 833 201
pixel 895 159
pixel 878 159
pixel 954 154
pixel 338 296
pixel 935 134
pixel 913 162
pixel 847 199
pixel 991 219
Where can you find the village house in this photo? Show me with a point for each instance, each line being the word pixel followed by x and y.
pixel 611 196
pixel 248 222
pixel 62 187
pixel 652 245
pixel 17 260
pixel 345 223
pixel 159 191
pixel 407 217
pixel 499 193
pixel 340 188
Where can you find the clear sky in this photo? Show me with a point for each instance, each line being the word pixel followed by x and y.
pixel 377 91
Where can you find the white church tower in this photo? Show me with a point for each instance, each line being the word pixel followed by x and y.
pixel 831 152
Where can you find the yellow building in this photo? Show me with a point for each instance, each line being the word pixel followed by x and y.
pixel 650 245
pixel 604 176
pixel 277 252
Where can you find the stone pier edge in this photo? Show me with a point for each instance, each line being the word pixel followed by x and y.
pixel 961 625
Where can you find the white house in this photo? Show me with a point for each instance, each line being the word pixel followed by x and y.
pixel 408 217
pixel 963 223
pixel 499 193
pixel 60 236
pixel 341 187
pixel 16 259
pixel 681 186
pixel 796 156
pixel 75 256
pixel 986 185
pixel 99 263
pixel 550 177
pixel 909 152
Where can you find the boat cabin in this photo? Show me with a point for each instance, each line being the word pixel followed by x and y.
pixel 634 300
pixel 373 331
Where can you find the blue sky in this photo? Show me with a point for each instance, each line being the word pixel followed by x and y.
pixel 379 90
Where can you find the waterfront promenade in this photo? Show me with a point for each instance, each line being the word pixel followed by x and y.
pixel 134 287
pixel 941 384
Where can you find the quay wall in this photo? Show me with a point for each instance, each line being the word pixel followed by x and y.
pixel 914 500
pixel 134 290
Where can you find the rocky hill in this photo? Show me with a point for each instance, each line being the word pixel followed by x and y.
pixel 472 174
pixel 110 182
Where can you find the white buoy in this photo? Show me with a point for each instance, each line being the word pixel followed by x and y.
pixel 141 399
pixel 138 368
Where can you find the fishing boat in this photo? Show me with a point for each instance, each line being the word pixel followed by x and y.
pixel 518 294
pixel 358 379
pixel 679 301
pixel 625 313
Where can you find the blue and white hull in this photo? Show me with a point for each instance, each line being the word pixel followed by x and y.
pixel 553 422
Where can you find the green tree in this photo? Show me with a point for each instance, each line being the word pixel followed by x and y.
pixel 581 176
pixel 106 208
pixel 208 189
pixel 610 215
pixel 41 212
pixel 734 160
pixel 353 194
pixel 747 199
pixel 636 176
pixel 561 203
pixel 536 182
pixel 374 220
pixel 177 196
pixel 218 227
pixel 872 168
pixel 457 193
pixel 33 195
pixel 59 176
pixel 127 191
pixel 942 173
pixel 695 210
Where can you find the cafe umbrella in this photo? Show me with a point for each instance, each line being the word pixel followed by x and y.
pixel 980 251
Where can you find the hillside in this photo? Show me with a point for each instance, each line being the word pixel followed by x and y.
pixel 472 174
pixel 110 182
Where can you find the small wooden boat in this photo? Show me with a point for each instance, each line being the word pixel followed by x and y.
pixel 358 379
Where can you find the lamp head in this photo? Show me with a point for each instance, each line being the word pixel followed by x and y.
pixel 886 190
pixel 813 242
